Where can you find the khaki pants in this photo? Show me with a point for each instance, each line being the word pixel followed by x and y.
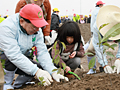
pixel 91 49
pixel 1 77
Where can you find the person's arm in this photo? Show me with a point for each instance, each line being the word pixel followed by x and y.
pixel 47 5
pixel 54 21
pixel 81 51
pixel 19 5
pixel 42 54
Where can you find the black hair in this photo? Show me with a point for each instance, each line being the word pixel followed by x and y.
pixel 69 28
pixel 98 5
pixel 28 21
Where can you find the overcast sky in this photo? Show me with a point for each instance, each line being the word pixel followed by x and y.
pixel 66 7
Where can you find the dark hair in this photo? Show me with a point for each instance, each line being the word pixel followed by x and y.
pixel 69 28
pixel 28 21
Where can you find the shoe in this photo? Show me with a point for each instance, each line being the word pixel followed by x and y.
pixel 21 79
pixel 91 71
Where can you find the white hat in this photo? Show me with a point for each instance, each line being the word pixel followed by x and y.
pixel 108 14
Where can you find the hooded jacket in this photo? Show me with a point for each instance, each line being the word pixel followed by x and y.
pixel 47 6
pixel 14 43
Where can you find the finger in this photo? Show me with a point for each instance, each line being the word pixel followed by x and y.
pixel 60 77
pixel 114 69
pixel 66 79
pixel 50 79
pixel 47 82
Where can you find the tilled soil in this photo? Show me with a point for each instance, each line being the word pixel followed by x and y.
pixel 98 81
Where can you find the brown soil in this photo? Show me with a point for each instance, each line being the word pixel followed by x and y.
pixel 98 81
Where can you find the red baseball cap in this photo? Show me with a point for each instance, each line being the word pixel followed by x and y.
pixel 33 13
pixel 99 2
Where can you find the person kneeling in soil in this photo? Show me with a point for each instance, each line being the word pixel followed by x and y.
pixel 19 33
pixel 69 34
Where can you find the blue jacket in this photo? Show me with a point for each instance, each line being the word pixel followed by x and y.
pixel 15 43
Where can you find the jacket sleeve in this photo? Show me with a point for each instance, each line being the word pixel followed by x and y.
pixel 54 22
pixel 19 5
pixel 81 51
pixel 43 55
pixel 47 5
pixel 53 54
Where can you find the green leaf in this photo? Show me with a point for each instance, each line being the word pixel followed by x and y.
pixel 63 64
pixel 57 52
pixel 54 70
pixel 59 70
pixel 112 67
pixel 88 54
pixel 43 81
pixel 41 78
pixel 57 60
pixel 106 44
pixel 110 54
pixel 114 45
pixel 103 26
pixel 63 45
pixel 54 46
pixel 115 30
pixel 91 63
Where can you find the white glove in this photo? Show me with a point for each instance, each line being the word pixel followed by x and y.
pixel 117 66
pixel 57 77
pixel 108 69
pixel 46 75
pixel 47 40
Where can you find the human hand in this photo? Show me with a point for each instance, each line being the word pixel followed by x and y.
pixel 108 69
pixel 48 40
pixel 57 77
pixel 72 55
pixel 67 69
pixel 117 66
pixel 47 77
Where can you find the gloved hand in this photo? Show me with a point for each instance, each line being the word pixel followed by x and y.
pixel 46 75
pixel 57 77
pixel 117 66
pixel 108 69
pixel 47 40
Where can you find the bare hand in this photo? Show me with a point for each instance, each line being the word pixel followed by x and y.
pixel 67 69
pixel 72 55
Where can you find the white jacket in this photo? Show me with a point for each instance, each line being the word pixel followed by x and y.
pixel 15 43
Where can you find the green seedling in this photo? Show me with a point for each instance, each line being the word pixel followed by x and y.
pixel 57 60
pixel 41 81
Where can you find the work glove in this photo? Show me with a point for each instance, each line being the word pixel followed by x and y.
pixel 108 69
pixel 47 77
pixel 47 40
pixel 57 77
pixel 117 66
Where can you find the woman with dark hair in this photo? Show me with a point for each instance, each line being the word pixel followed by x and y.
pixel 69 34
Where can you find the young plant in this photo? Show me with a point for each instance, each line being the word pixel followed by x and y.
pixel 115 30
pixel 56 60
pixel 41 81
